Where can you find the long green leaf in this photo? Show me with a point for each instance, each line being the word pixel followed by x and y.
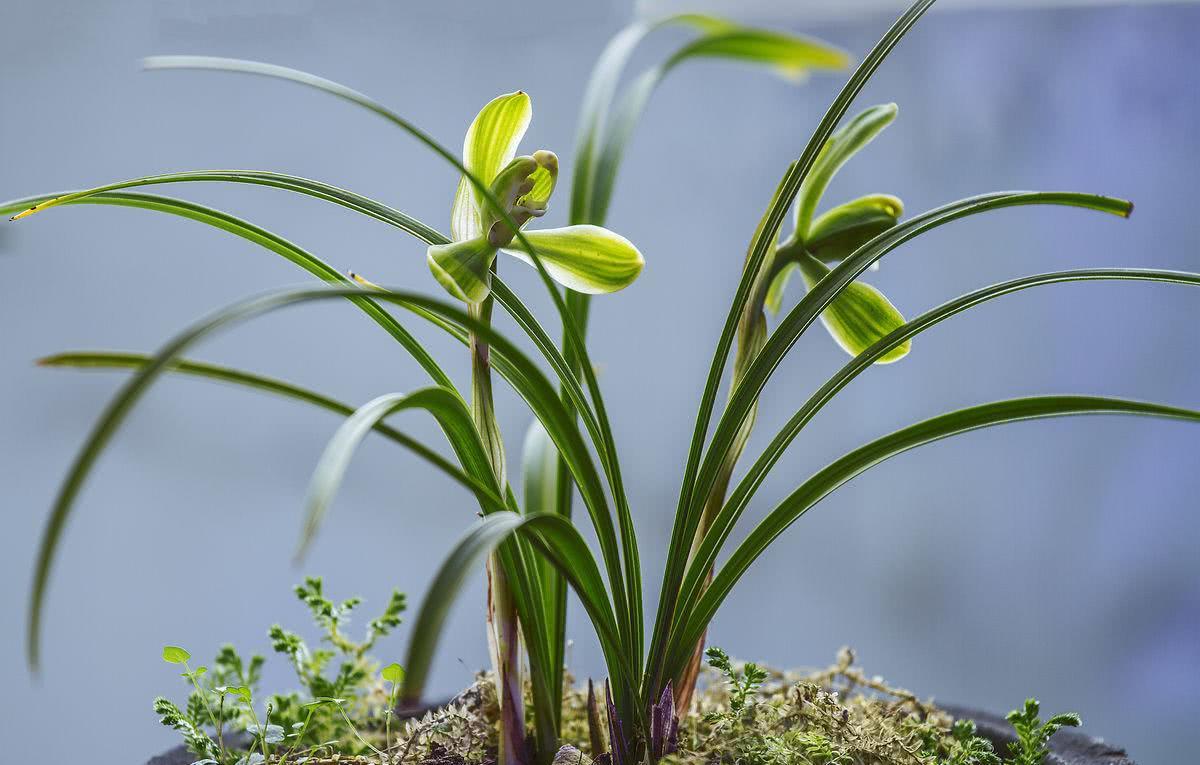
pixel 252 233
pixel 852 464
pixel 541 395
pixel 739 499
pixel 314 265
pixel 540 476
pixel 764 239
pixel 721 40
pixel 464 559
pixel 317 189
pixel 557 540
pixel 452 415
pixel 136 361
pixel 838 279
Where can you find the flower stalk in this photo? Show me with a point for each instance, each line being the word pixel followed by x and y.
pixel 503 628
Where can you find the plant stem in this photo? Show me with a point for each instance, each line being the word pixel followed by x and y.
pixel 207 708
pixel 503 629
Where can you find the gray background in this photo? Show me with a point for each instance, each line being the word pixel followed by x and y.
pixel 1056 558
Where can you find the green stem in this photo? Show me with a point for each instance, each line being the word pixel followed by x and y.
pixel 503 629
pixel 354 729
pixel 207 708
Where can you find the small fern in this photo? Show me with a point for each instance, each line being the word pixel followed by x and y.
pixel 742 685
pixel 1033 736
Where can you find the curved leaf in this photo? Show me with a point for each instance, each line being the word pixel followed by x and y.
pixel 451 413
pixel 259 236
pixel 739 499
pixel 136 361
pixel 540 484
pixel 852 464
pixel 539 393
pixel 307 186
pixel 628 598
pixel 826 291
pixel 556 539
pixel 789 54
pixel 761 245
pixel 464 560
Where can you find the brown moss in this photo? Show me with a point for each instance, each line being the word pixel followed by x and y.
pixel 835 716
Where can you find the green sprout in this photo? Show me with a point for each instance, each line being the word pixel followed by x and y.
pixel 1033 736
pixel 533 549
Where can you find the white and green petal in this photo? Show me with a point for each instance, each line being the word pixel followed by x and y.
pixel 840 147
pixel 523 187
pixel 490 145
pixel 859 316
pixel 584 258
pixel 836 234
pixel 463 268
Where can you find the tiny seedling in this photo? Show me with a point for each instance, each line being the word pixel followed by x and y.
pixel 742 685
pixel 1033 736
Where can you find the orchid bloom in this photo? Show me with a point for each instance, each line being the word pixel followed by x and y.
pixel 584 258
pixel 861 314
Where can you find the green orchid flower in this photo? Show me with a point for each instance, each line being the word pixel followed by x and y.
pixel 584 258
pixel 861 315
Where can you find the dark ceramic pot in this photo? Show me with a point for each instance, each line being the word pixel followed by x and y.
pixel 1068 747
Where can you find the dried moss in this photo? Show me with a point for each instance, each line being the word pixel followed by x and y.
pixel 835 716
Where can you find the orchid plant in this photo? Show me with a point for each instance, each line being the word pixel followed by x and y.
pixel 530 545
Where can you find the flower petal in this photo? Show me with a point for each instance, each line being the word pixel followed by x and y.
pixel 523 187
pixel 462 268
pixel 840 147
pixel 585 258
pixel 859 315
pixel 543 180
pixel 839 232
pixel 491 143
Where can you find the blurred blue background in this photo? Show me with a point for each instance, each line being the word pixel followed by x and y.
pixel 1054 558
